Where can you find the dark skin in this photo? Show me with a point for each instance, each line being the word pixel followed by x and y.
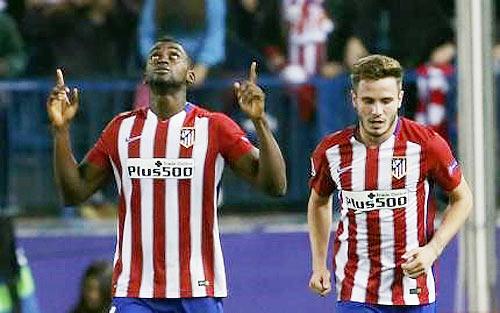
pixel 168 73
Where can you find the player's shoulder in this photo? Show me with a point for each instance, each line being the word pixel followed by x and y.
pixel 211 115
pixel 337 138
pixel 416 132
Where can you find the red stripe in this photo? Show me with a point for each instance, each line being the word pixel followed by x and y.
pixel 121 222
pixel 207 243
pixel 423 296
pixel 184 192
pixel 301 55
pixel 159 290
pixel 399 217
pixel 121 206
pixel 373 226
pixel 135 217
pixel 352 257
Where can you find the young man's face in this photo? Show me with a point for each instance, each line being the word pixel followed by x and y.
pixel 168 64
pixel 376 103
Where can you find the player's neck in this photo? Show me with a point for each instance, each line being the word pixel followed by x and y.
pixel 167 105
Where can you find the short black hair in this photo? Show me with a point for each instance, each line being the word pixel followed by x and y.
pixel 171 39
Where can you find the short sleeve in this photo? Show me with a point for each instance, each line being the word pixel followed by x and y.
pixel 232 140
pixel 321 180
pixel 100 153
pixel 442 165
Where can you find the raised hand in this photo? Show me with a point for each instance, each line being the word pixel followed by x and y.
pixel 60 108
pixel 251 98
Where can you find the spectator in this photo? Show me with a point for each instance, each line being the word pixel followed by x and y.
pixel 95 289
pixel 198 24
pixel 255 33
pixel 12 55
pixel 17 289
pixel 433 86
pixel 397 28
pixel 89 39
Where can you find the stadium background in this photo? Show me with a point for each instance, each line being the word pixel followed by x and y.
pixel 61 241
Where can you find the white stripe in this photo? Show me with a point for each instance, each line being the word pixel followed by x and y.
pixel 358 184
pixel 294 52
pixel 172 211
pixel 147 152
pixel 123 279
pixel 412 177
pixel 119 188
pixel 199 154
pixel 220 285
pixel 386 218
pixel 333 157
pixel 310 58
pixel 116 173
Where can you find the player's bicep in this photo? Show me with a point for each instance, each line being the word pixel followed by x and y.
pixel 247 165
pixel 461 192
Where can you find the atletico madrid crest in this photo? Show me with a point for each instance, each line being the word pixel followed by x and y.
pixel 398 167
pixel 187 137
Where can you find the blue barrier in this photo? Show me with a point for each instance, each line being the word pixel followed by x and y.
pixel 30 149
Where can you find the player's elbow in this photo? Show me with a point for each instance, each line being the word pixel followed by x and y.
pixel 277 189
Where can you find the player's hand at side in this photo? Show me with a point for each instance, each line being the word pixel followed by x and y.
pixel 61 108
pixel 320 282
pixel 250 97
pixel 418 261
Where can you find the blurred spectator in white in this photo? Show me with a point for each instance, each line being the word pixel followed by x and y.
pixel 308 27
pixel 198 24
pixel 12 54
pixel 433 85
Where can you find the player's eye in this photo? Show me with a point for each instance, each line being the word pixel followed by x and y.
pixel 154 58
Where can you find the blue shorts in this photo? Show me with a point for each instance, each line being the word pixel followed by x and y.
pixel 358 307
pixel 182 305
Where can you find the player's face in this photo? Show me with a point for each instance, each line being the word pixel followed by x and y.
pixel 168 64
pixel 376 103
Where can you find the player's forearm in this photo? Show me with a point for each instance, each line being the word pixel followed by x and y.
pixel 454 218
pixel 319 219
pixel 272 170
pixel 66 168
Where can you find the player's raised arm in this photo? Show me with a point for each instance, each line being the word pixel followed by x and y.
pixel 77 182
pixel 266 166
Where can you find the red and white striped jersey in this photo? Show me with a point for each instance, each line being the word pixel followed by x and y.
pixel 167 174
pixel 385 212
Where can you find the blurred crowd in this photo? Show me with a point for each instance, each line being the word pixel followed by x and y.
pixel 293 38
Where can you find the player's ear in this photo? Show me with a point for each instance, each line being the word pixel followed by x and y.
pixel 400 98
pixel 191 77
pixel 353 98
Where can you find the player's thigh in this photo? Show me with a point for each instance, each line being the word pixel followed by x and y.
pixel 355 307
pixel 129 305
pixel 202 305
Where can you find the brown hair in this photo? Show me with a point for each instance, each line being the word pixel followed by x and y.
pixel 374 67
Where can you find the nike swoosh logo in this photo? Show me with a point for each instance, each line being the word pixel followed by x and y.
pixel 343 170
pixel 131 139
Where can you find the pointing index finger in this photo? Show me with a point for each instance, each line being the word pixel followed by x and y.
pixel 253 72
pixel 60 78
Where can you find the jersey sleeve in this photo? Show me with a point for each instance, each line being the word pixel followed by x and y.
pixel 443 166
pixel 321 180
pixel 232 140
pixel 101 151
